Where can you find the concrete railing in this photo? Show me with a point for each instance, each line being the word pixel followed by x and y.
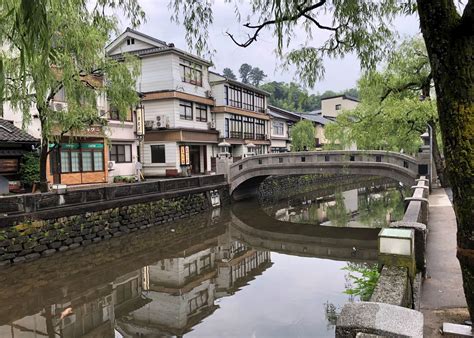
pixel 396 296
pixel 395 165
pixel 27 203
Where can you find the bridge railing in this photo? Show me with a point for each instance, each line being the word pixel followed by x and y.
pixel 306 157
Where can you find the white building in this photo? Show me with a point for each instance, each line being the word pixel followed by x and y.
pixel 241 116
pixel 176 99
pixel 281 122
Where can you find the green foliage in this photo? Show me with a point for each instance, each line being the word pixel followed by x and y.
pixel 337 213
pixel 293 97
pixel 124 179
pixel 362 28
pixel 256 76
pixel 391 115
pixel 244 72
pixel 229 73
pixel 56 45
pixel 363 278
pixel 29 168
pixel 303 136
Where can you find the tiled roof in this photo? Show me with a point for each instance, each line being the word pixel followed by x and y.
pixel 10 133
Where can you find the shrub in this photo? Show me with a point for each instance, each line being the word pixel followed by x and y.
pixel 364 280
pixel 29 169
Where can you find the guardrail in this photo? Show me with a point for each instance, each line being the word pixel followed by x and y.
pixel 17 204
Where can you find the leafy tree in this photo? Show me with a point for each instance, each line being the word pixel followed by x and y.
pixel 364 29
pixel 302 134
pixel 244 72
pixel 256 76
pixel 58 46
pixel 29 169
pixel 391 101
pixel 228 73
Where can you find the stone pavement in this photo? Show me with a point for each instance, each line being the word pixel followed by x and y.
pixel 442 290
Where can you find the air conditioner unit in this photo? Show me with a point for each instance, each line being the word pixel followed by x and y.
pixel 149 125
pixel 111 165
pixel 162 121
pixel 209 93
pixel 211 124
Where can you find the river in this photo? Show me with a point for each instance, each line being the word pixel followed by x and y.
pixel 268 269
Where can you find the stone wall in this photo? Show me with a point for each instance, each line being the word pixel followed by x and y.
pixel 31 238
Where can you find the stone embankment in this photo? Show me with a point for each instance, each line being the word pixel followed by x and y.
pixel 393 307
pixel 66 226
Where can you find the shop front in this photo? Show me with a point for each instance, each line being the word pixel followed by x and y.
pixel 81 161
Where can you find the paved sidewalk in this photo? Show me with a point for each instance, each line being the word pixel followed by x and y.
pixel 442 292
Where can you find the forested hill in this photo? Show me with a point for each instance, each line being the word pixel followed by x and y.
pixel 293 97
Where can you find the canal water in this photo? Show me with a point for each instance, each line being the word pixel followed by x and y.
pixel 251 270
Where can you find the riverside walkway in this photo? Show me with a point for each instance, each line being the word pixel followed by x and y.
pixel 442 298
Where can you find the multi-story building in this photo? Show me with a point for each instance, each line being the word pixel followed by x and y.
pixel 332 106
pixel 179 129
pixel 281 122
pixel 241 116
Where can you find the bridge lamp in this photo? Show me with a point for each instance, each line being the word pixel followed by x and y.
pixel 397 248
pixel 224 149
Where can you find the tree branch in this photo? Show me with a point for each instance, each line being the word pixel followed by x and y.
pixel 286 18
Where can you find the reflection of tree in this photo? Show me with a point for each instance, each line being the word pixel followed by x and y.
pixel 362 279
pixel 373 209
pixel 337 213
pixel 331 313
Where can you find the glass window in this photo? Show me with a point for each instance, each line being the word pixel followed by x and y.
pixel 191 72
pixel 121 153
pixel 226 128
pixel 87 161
pixel 201 112
pixel 65 165
pixel 98 161
pixel 75 161
pixel 158 154
pixel 278 127
pixel 235 127
pixel 186 110
pixel 249 127
pixel 338 107
pixel 259 129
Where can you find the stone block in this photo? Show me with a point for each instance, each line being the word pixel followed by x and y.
pixel 48 252
pixel 86 242
pixel 19 260
pixel 74 246
pixel 7 256
pixel 393 287
pixel 40 248
pixel 63 248
pixel 379 319
pixel 15 248
pixel 78 239
pixel 32 256
pixel 55 245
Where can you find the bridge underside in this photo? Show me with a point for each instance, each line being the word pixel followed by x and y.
pixel 246 185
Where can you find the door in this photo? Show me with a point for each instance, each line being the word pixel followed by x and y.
pixel 55 163
pixel 195 159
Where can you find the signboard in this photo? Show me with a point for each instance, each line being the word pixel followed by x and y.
pixel 184 155
pixel 140 125
pixel 8 165
pixel 92 145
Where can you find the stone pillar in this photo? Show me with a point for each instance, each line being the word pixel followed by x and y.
pixel 223 166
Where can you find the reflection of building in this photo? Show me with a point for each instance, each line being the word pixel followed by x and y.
pixel 181 291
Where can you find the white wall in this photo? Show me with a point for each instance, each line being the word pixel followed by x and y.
pixel 34 126
pixel 328 106
pixel 157 73
pixel 159 169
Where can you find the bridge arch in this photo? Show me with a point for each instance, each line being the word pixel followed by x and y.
pixel 246 175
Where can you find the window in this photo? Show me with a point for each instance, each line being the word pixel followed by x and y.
pixel 226 128
pixel 260 149
pixel 247 99
pixel 81 157
pixel 338 107
pixel 190 72
pixel 259 102
pixel 130 41
pixel 201 112
pixel 121 153
pixel 158 154
pixel 235 130
pixel 249 127
pixel 259 129
pixel 186 110
pixel 244 98
pixel 278 128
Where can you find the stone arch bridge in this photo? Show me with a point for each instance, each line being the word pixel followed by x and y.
pixel 245 176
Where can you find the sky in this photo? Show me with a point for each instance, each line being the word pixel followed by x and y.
pixel 340 74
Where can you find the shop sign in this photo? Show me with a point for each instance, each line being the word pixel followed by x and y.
pixel 92 145
pixel 140 125
pixel 184 155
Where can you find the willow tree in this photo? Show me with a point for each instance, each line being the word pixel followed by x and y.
pixel 364 28
pixel 394 98
pixel 303 136
pixel 53 46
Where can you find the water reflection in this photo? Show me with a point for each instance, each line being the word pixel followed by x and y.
pixel 373 203
pixel 232 272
